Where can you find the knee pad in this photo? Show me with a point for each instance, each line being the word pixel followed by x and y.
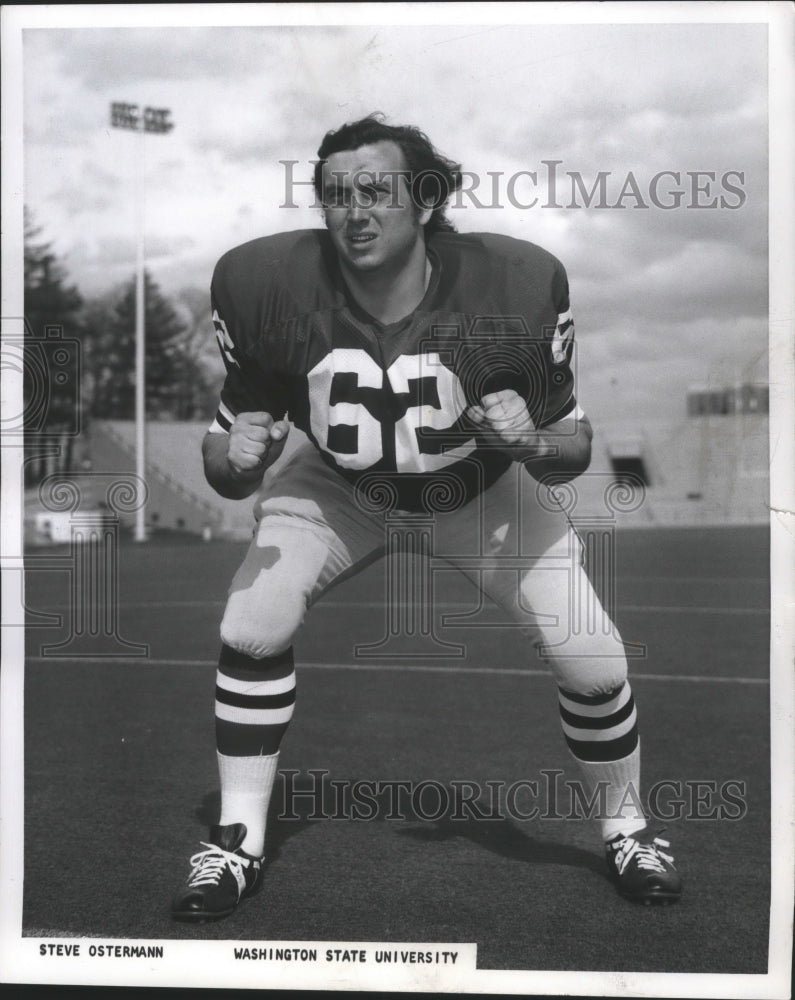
pixel 259 631
pixel 590 675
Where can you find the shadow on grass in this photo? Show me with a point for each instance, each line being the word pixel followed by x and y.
pixel 500 835
pixel 503 837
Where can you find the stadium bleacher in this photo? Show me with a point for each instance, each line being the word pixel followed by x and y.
pixel 709 468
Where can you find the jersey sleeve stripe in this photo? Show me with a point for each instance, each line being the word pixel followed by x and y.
pixel 567 409
pixel 224 418
pixel 226 413
pixel 576 414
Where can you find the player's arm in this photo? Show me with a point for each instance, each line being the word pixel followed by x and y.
pixel 235 463
pixel 247 434
pixel 561 449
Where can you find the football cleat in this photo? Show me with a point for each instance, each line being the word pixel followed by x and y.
pixel 641 870
pixel 221 876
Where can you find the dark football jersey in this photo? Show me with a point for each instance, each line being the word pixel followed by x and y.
pixel 387 402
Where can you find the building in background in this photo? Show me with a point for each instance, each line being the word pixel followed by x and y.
pixel 710 467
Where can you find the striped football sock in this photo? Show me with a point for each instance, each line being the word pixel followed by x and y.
pixel 246 787
pixel 254 702
pixel 602 734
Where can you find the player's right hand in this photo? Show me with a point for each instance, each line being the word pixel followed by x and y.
pixel 255 441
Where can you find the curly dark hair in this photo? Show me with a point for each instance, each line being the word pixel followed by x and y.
pixel 433 177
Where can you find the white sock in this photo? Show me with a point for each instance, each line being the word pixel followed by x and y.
pixel 624 813
pixel 246 786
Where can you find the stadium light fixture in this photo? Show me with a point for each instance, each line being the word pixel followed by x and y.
pixel 153 120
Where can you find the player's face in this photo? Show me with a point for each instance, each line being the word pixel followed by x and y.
pixel 368 208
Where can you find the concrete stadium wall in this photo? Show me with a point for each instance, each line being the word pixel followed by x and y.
pixel 701 470
pixel 179 498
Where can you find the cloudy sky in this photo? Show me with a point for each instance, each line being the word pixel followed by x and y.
pixel 663 297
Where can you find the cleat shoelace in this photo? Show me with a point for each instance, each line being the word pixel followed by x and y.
pixel 209 865
pixel 649 857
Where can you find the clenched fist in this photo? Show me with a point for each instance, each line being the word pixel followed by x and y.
pixel 255 441
pixel 504 420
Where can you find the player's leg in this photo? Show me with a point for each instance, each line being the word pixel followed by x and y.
pixel 309 532
pixel 531 566
pixel 547 591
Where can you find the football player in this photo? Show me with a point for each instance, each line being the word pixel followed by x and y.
pixel 431 372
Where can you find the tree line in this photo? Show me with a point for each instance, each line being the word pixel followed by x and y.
pixel 96 380
pixel 80 357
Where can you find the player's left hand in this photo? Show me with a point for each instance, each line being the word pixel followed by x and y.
pixel 504 420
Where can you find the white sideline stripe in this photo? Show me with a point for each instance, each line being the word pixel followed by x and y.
pixel 635 608
pixel 696 579
pixel 697 610
pixel 409 668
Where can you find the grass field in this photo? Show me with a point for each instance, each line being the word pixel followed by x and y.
pixel 120 778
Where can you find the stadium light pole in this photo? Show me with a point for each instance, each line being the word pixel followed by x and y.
pixel 157 120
